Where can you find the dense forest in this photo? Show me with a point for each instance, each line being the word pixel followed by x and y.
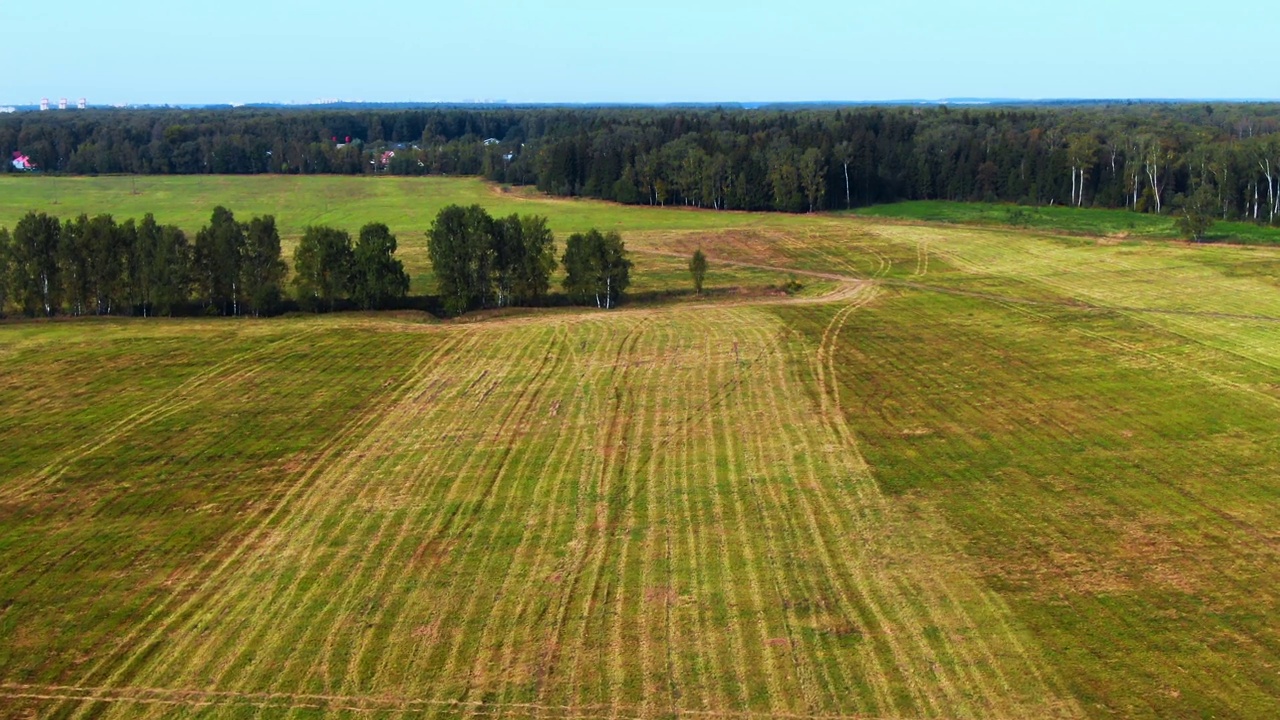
pixel 1223 159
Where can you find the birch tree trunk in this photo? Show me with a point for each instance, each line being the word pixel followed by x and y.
pixel 848 196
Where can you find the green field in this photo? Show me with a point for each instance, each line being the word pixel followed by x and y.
pixel 1057 218
pixel 966 472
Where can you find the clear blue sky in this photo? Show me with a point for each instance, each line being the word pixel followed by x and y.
pixel 162 51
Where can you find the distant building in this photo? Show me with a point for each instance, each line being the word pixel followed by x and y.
pixel 44 104
pixel 82 104
pixel 492 141
pixel 7 110
pixel 62 103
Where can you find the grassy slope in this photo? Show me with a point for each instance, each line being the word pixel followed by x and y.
pixel 628 513
pixel 1126 509
pixel 1074 506
pixel 1087 221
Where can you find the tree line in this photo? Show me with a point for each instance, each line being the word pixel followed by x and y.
pixel 481 261
pixel 1223 159
pixel 101 266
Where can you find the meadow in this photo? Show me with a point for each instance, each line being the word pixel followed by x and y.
pixel 1059 218
pixel 965 472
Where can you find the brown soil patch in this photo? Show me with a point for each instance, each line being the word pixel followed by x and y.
pixel 741 245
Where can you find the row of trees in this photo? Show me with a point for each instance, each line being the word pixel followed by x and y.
pixel 481 261
pixel 327 267
pixel 1145 157
pixel 97 265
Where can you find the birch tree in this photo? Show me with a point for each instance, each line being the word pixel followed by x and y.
pixel 1082 151
pixel 263 270
pixel 844 154
pixel 596 268
pixel 1155 164
pixel 217 257
pixel 813 172
pixel 322 267
pixel 34 264
pixel 460 243
pixel 379 278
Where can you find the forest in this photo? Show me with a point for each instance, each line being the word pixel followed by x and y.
pixel 1221 160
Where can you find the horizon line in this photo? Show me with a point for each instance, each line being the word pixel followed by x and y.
pixel 746 104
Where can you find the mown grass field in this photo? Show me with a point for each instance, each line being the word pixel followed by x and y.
pixel 967 472
pixel 1057 218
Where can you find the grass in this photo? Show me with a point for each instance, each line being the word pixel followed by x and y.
pixel 964 472
pixel 1057 218
pixel 1119 504
pixel 406 205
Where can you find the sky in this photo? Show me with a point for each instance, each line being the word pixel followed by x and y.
pixel 654 51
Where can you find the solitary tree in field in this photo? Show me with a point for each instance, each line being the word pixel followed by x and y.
pixel 379 278
pixel 322 266
pixel 698 269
